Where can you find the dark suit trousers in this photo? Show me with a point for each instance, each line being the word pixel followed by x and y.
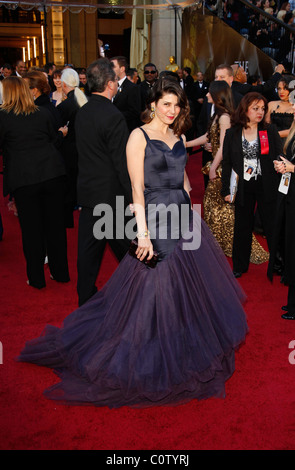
pixel 291 299
pixel 90 253
pixel 41 215
pixel 244 223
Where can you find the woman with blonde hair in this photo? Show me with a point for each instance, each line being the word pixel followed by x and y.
pixel 34 173
pixel 284 222
pixel 67 111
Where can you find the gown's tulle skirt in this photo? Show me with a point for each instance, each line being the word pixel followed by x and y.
pixel 150 336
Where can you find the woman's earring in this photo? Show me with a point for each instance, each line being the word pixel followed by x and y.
pixel 152 115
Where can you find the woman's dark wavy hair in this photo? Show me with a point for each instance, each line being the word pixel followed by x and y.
pixel 222 97
pixel 286 80
pixel 165 86
pixel 240 117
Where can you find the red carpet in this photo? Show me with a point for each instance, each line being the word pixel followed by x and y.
pixel 257 413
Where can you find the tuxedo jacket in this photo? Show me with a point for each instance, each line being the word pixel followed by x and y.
pixel 233 159
pixel 101 138
pixel 189 87
pixel 128 101
pixel 200 91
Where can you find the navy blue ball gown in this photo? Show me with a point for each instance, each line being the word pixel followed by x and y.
pixel 150 337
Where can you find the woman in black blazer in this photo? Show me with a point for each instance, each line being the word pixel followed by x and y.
pixel 249 149
pixel 40 91
pixel 34 172
pixel 284 221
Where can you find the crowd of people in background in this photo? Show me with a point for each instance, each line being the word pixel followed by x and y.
pixel 113 144
pixel 271 37
pixel 63 91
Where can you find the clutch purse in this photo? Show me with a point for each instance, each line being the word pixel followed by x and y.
pixel 151 263
pixel 206 168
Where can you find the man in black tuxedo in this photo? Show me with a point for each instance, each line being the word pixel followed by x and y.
pixel 101 138
pixel 127 98
pixel 201 88
pixel 150 77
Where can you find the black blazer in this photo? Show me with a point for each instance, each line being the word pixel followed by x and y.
pixel 68 110
pixel 101 137
pixel 233 159
pixel 44 101
pixel 189 87
pixel 128 101
pixel 200 92
pixel 284 224
pixel 29 152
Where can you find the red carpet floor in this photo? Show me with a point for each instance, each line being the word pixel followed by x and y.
pixel 257 413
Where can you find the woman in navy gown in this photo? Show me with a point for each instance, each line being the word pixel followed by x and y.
pixel 153 336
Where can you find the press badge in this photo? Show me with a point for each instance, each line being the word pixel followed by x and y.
pixel 249 169
pixel 285 183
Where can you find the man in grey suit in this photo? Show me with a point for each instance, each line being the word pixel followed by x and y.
pixel 101 137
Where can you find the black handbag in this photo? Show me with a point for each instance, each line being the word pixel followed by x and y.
pixel 151 263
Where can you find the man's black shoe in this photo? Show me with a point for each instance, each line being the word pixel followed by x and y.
pixel 237 274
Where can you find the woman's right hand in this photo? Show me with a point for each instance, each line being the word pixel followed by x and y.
pixel 64 130
pixel 145 247
pixel 208 147
pixel 283 166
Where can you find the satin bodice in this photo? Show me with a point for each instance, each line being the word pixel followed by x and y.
pixel 167 204
pixel 164 166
